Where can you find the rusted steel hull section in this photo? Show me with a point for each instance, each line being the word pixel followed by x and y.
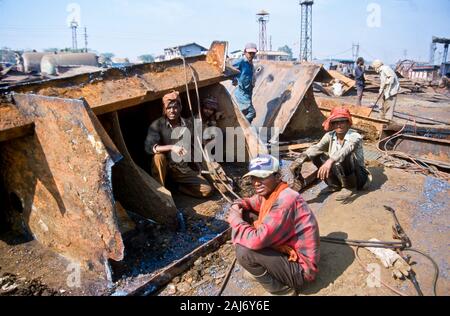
pixel 133 187
pixel 284 99
pixel 429 150
pixel 59 181
pixel 117 89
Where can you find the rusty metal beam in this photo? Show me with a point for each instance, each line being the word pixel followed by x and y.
pixel 133 187
pixel 330 104
pixel 146 285
pixel 283 98
pixel 429 150
pixel 60 178
pixel 117 89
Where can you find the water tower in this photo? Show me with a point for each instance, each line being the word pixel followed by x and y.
pixel 262 18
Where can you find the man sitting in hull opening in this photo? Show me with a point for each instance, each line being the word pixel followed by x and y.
pixel 164 144
pixel 339 157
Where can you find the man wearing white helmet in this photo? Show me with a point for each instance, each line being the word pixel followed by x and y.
pixel 245 81
pixel 389 88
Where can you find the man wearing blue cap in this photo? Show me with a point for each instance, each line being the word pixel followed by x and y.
pixel 279 249
pixel 245 83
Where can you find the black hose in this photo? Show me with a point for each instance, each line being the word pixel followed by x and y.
pixel 436 267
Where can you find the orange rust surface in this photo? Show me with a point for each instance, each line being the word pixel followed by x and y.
pixel 62 177
pixel 117 89
pixel 13 124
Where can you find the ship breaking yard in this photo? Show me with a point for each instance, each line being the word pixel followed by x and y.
pixel 80 213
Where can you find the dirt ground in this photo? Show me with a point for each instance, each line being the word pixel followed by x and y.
pixel 421 204
pixel 427 105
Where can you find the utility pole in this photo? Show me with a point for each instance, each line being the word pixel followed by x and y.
pixel 306 30
pixel 355 50
pixel 85 40
pixel 262 18
pixel 74 26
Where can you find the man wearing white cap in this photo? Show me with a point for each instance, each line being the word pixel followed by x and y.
pixel 275 232
pixel 245 83
pixel 389 88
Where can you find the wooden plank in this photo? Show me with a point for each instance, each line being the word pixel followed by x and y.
pixel 295 147
pixel 354 109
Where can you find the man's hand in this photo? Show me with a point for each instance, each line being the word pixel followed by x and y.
pixel 179 150
pixel 235 212
pixel 324 171
pixel 296 166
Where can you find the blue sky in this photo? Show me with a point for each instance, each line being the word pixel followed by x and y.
pixel 134 27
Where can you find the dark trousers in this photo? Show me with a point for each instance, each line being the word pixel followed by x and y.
pixel 274 263
pixel 277 265
pixel 347 174
pixel 360 93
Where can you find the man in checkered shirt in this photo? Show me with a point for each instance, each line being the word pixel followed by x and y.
pixel 275 232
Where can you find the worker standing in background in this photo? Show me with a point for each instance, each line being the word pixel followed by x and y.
pixel 275 233
pixel 360 79
pixel 245 82
pixel 389 88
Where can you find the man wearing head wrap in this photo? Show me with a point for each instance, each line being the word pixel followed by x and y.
pixel 245 82
pixel 339 157
pixel 169 140
pixel 389 88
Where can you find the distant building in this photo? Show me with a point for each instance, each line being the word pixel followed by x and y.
pixel 344 66
pixel 117 62
pixel 273 55
pixel 425 73
pixel 419 71
pixel 160 58
pixel 187 50
pixel 236 54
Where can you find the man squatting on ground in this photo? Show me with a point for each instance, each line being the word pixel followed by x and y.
pixel 161 144
pixel 339 157
pixel 245 82
pixel 275 232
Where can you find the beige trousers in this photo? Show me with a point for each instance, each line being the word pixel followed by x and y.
pixel 189 182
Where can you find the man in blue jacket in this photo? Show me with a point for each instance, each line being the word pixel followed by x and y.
pixel 360 79
pixel 245 83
